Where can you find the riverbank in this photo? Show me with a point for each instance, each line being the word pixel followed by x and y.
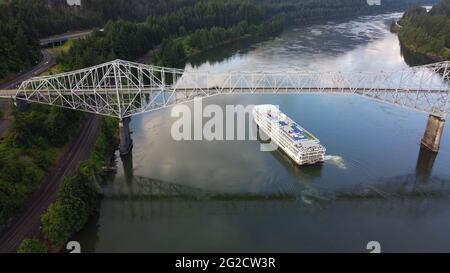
pixel 416 52
pixel 426 33
pixel 425 55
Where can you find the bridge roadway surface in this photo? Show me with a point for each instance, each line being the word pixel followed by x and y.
pixel 64 37
pixel 226 90
pixel 26 222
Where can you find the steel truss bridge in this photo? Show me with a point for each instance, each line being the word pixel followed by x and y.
pixel 123 89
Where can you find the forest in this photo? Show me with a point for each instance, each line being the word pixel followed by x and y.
pixel 206 24
pixel 427 33
pixel 137 26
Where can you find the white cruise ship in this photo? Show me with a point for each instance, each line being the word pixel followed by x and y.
pixel 294 140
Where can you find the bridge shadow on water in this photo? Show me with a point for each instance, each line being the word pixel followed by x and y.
pixel 419 184
pixel 139 200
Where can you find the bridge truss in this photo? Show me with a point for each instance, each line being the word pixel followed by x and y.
pixel 122 89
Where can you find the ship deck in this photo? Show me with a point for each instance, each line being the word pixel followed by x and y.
pixel 296 133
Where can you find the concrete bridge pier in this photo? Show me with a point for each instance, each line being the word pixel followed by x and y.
pixel 425 163
pixel 126 143
pixel 433 133
pixel 127 163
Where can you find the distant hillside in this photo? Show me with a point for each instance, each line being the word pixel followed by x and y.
pixel 427 33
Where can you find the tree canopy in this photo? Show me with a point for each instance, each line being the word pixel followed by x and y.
pixel 427 33
pixel 31 246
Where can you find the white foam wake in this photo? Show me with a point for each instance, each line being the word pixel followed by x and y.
pixel 336 160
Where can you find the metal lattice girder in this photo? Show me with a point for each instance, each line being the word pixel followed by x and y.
pixel 122 89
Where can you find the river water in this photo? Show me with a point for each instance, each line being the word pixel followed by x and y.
pixel 224 196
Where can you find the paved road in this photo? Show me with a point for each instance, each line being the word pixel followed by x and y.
pixel 26 223
pixel 48 60
pixel 64 37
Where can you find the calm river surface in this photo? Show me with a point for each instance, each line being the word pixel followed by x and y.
pixel 197 196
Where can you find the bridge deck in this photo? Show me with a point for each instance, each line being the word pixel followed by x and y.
pixel 226 90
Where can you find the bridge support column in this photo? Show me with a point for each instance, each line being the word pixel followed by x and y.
pixel 433 133
pixel 425 163
pixel 126 143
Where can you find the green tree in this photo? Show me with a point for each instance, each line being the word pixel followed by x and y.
pixel 55 225
pixel 77 198
pixel 31 246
